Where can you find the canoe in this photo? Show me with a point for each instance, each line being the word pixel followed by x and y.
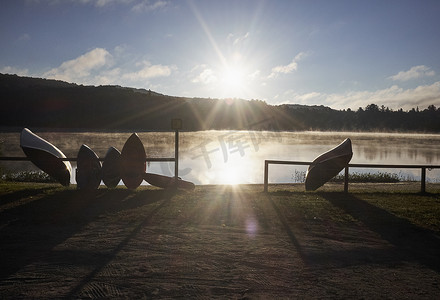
pixel 164 182
pixel 46 156
pixel 111 173
pixel 88 170
pixel 133 162
pixel 328 165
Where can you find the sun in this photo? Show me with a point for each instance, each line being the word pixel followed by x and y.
pixel 233 78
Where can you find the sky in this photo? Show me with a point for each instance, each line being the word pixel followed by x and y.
pixel 341 54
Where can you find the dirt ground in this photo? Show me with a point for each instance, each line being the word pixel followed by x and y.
pixel 214 242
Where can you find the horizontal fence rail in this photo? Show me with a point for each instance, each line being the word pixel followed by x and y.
pixel 346 173
pixel 176 125
pixel 148 159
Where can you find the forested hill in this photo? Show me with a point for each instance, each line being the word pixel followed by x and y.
pixel 34 102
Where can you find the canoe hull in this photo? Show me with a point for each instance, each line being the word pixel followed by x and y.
pixel 133 162
pixel 328 165
pixel 111 168
pixel 88 171
pixel 46 156
pixel 167 181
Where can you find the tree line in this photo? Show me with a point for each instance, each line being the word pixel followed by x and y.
pixel 370 118
pixel 42 103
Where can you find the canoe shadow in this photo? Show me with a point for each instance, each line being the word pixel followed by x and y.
pixel 412 243
pixel 30 230
pixel 408 241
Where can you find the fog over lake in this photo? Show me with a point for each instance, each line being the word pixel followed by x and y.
pixel 230 157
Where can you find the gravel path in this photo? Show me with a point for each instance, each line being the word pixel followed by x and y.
pixel 215 242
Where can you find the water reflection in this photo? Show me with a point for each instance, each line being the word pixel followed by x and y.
pixel 219 161
pixel 226 157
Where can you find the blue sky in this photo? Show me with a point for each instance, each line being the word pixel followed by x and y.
pixel 343 54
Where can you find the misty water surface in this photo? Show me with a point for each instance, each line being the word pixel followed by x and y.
pixel 228 157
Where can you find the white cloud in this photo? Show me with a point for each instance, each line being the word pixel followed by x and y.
pixel 306 98
pixel 207 76
pixel 14 70
pixel 146 6
pixel 108 77
pixel 413 73
pixel 120 50
pixel 149 71
pixel 284 69
pixel 393 97
pixel 99 67
pixel 293 97
pixel 300 56
pixel 289 68
pixel 236 40
pixel 96 3
pixel 255 75
pixel 102 3
pixel 78 69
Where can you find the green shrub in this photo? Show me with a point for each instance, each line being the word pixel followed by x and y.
pixel 379 177
pixel 28 176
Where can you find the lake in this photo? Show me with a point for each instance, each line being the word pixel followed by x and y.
pixel 230 157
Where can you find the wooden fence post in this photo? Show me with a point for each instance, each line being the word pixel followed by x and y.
pixel 346 180
pixel 176 155
pixel 176 124
pixel 423 180
pixel 266 175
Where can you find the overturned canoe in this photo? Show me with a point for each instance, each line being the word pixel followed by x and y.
pixel 111 169
pixel 328 165
pixel 133 162
pixel 46 156
pixel 164 182
pixel 88 171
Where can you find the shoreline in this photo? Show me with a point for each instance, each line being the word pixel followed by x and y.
pixel 17 129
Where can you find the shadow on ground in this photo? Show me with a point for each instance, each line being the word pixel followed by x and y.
pixel 400 240
pixel 412 242
pixel 29 230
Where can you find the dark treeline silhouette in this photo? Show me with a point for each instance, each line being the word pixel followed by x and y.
pixel 42 103
pixel 370 118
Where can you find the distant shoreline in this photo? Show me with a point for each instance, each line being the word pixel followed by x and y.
pixel 16 129
pixel 41 103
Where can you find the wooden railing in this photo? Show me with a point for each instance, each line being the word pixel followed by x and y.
pixel 176 125
pixel 346 173
pixel 147 159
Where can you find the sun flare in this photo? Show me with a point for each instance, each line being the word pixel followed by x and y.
pixel 233 77
pixel 230 176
